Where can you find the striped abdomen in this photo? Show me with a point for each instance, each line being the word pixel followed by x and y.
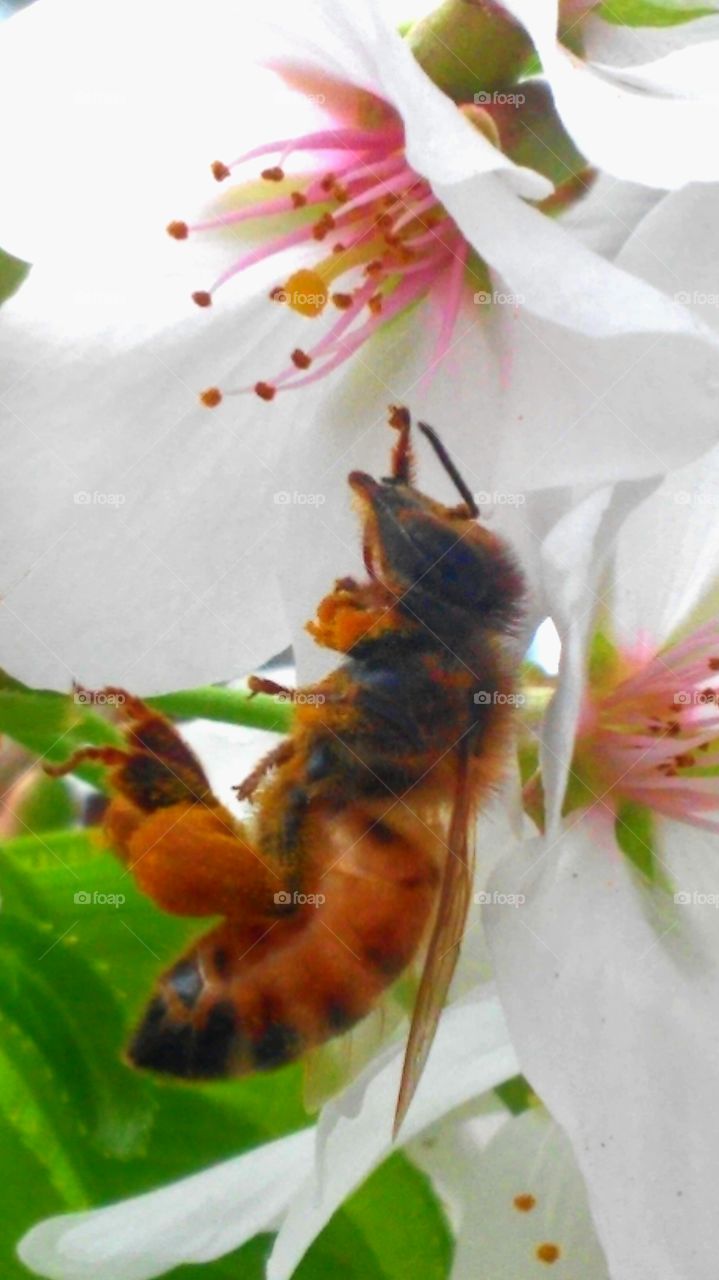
pixel 252 996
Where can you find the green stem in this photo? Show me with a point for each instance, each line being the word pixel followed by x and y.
pixel 230 706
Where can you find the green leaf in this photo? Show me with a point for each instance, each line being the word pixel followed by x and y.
pixel 53 725
pixel 88 1130
pixel 634 833
pixel 651 13
pixel 12 273
pixel 392 1228
pixel 28 1195
pixel 516 1094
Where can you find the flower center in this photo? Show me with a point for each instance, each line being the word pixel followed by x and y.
pixel 372 236
pixel 649 730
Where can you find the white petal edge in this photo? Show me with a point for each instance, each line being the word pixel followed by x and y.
pixel 575 556
pixel 553 274
pixel 530 1156
pixel 471 1054
pixel 441 144
pixel 610 992
pixel 667 556
pixel 642 137
pixel 195 1220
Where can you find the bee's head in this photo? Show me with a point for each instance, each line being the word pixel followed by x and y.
pixel 440 563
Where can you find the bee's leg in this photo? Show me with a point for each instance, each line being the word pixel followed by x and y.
pixel 193 860
pixel 259 684
pixel 184 849
pixel 276 756
pixel 109 756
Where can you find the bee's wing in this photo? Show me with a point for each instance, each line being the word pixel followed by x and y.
pixel 331 1066
pixel 445 941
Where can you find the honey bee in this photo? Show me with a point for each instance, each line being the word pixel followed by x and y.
pixel 357 857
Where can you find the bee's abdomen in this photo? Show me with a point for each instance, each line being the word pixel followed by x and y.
pixel 234 1006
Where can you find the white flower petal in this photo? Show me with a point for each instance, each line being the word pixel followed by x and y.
pixel 575 555
pixel 116 137
pixel 620 46
pixel 553 274
pixel 607 214
pixel 358 42
pixel 637 135
pixel 528 1157
pixel 470 1055
pixel 194 1220
pixel 675 248
pixel 667 557
pixel 147 555
pixel 611 994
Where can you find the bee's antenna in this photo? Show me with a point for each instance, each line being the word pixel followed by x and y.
pixel 459 484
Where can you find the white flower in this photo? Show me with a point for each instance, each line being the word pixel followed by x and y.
pixel 150 553
pixel 211 1213
pixel 609 973
pixel 643 102
pixel 513 1189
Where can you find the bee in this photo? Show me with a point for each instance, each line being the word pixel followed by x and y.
pixel 357 858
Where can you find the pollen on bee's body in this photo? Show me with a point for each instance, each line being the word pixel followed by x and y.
pixel 373 227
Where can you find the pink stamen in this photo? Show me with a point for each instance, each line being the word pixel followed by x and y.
pixel 654 737
pixel 328 140
pixel 377 227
